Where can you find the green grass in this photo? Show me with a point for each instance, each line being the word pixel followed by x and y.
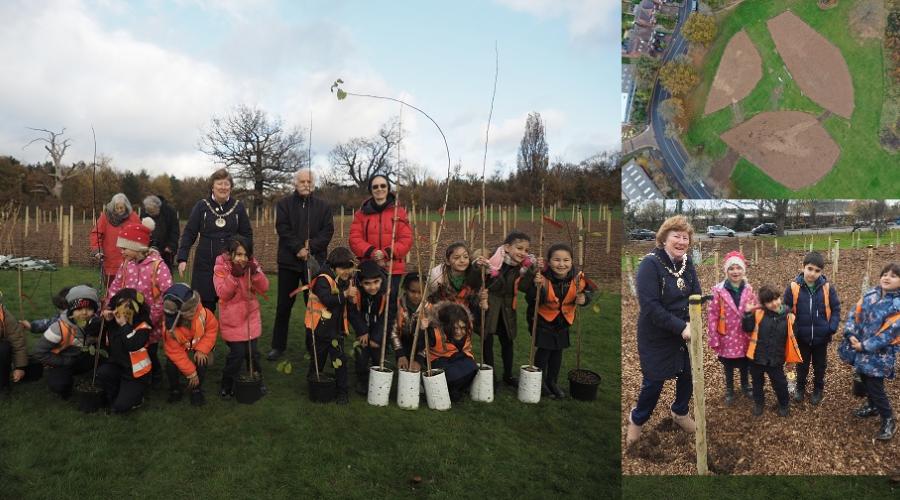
pixel 819 487
pixel 286 447
pixel 864 168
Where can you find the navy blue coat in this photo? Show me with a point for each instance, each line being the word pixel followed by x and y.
pixel 811 325
pixel 663 316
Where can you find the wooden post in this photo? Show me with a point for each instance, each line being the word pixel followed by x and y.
pixel 83 216
pixel 71 223
pixel 696 351
pixel 37 219
pixel 532 213
pixel 755 253
pixel 342 221
pixel 515 223
pixel 432 237
pixel 776 245
pixel 837 254
pixel 491 217
pixel 21 294
pixel 716 264
pixel 59 222
pixel 588 229
pixel 26 221
pixel 608 234
pixel 504 215
pixel 865 283
pixel 63 224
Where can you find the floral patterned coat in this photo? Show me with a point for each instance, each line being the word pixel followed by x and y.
pixel 142 276
pixel 879 348
pixel 733 343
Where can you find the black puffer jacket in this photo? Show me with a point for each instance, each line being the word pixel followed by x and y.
pixel 291 216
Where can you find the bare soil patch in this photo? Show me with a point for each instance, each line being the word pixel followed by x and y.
pixel 722 168
pixel 739 71
pixel 868 18
pixel 814 440
pixel 815 63
pixel 792 147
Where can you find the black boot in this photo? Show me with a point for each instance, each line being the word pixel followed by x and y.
pixel 784 411
pixel 545 390
pixel 888 426
pixel 557 391
pixel 729 396
pixel 866 410
pixel 816 397
pixel 757 409
pixel 747 390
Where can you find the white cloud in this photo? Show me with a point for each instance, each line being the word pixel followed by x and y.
pixel 589 21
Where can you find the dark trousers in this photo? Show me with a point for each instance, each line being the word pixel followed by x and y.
pixel 324 350
pixel 210 304
pixel 649 396
pixel 549 361
pixel 818 355
pixel 366 357
pixel 236 359
pixel 288 281
pixel 460 372
pixel 174 375
pixel 506 349
pixel 60 379
pixel 156 369
pixel 5 363
pixel 776 377
pixel 729 364
pixel 392 301
pixel 123 391
pixel 877 397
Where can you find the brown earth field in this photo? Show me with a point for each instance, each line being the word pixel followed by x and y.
pixel 600 266
pixel 791 147
pixel 739 71
pixel 825 439
pixel 815 63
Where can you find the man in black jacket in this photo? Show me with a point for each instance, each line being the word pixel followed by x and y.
pixel 305 226
pixel 165 235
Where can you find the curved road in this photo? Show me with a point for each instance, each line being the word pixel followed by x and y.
pixel 674 155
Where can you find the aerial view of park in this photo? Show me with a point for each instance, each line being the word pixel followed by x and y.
pixel 788 98
pixel 796 99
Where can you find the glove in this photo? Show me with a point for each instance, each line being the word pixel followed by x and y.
pixel 253 267
pixel 237 270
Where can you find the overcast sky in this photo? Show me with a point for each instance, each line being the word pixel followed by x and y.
pixel 149 75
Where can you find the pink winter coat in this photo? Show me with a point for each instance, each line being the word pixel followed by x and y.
pixel 238 306
pixel 733 344
pixel 151 277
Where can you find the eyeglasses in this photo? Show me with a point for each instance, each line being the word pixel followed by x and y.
pixel 379 186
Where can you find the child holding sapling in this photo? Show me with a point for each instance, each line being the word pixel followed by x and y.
pixel 238 277
pixel 870 344
pixel 459 279
pixel 772 344
pixel 814 301
pixel 407 313
pixel 189 334
pixel 512 269
pixel 125 375
pixel 563 288
pixel 371 305
pixel 726 337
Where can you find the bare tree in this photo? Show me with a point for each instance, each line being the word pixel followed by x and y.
pixel 56 147
pixel 359 158
pixel 534 156
pixel 263 152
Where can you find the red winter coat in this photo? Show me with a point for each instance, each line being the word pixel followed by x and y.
pixel 238 306
pixel 371 230
pixel 106 234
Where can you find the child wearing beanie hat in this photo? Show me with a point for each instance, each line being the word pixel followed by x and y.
pixel 189 337
pixel 372 308
pixel 145 271
pixel 725 312
pixel 59 348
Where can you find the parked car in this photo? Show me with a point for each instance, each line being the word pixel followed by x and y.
pixel 765 228
pixel 713 231
pixel 642 234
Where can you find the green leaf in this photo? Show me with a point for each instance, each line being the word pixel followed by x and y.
pixel 336 363
pixel 104 353
pixel 280 366
pixel 355 344
pixel 288 368
pixel 92 350
pixel 334 343
pixel 341 95
pixel 306 357
pixel 596 308
pixel 339 81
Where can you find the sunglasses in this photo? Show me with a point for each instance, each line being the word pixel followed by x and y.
pixel 379 186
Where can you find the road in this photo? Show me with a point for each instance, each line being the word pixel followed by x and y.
pixel 674 155
pixel 789 232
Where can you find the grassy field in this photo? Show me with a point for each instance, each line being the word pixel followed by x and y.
pixel 286 447
pixel 863 168
pixel 819 487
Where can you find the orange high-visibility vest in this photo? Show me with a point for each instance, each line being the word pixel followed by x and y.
pixel 791 349
pixel 550 308
pixel 826 291
pixel 140 359
pixel 198 325
pixel 316 310
pixel 67 332
pixel 890 320
pixel 443 348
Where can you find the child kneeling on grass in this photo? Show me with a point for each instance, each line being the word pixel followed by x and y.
pixel 189 336
pixel 871 341
pixel 13 351
pixel 772 344
pixel 449 329
pixel 329 317
pixel 60 347
pixel 562 289
pixel 125 374
pixel 238 278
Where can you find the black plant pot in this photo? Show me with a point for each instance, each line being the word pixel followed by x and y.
pixel 90 398
pixel 323 390
pixel 247 389
pixel 583 384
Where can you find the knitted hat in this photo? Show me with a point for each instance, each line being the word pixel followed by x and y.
pixel 82 296
pixel 732 258
pixel 136 236
pixel 369 269
pixel 179 302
